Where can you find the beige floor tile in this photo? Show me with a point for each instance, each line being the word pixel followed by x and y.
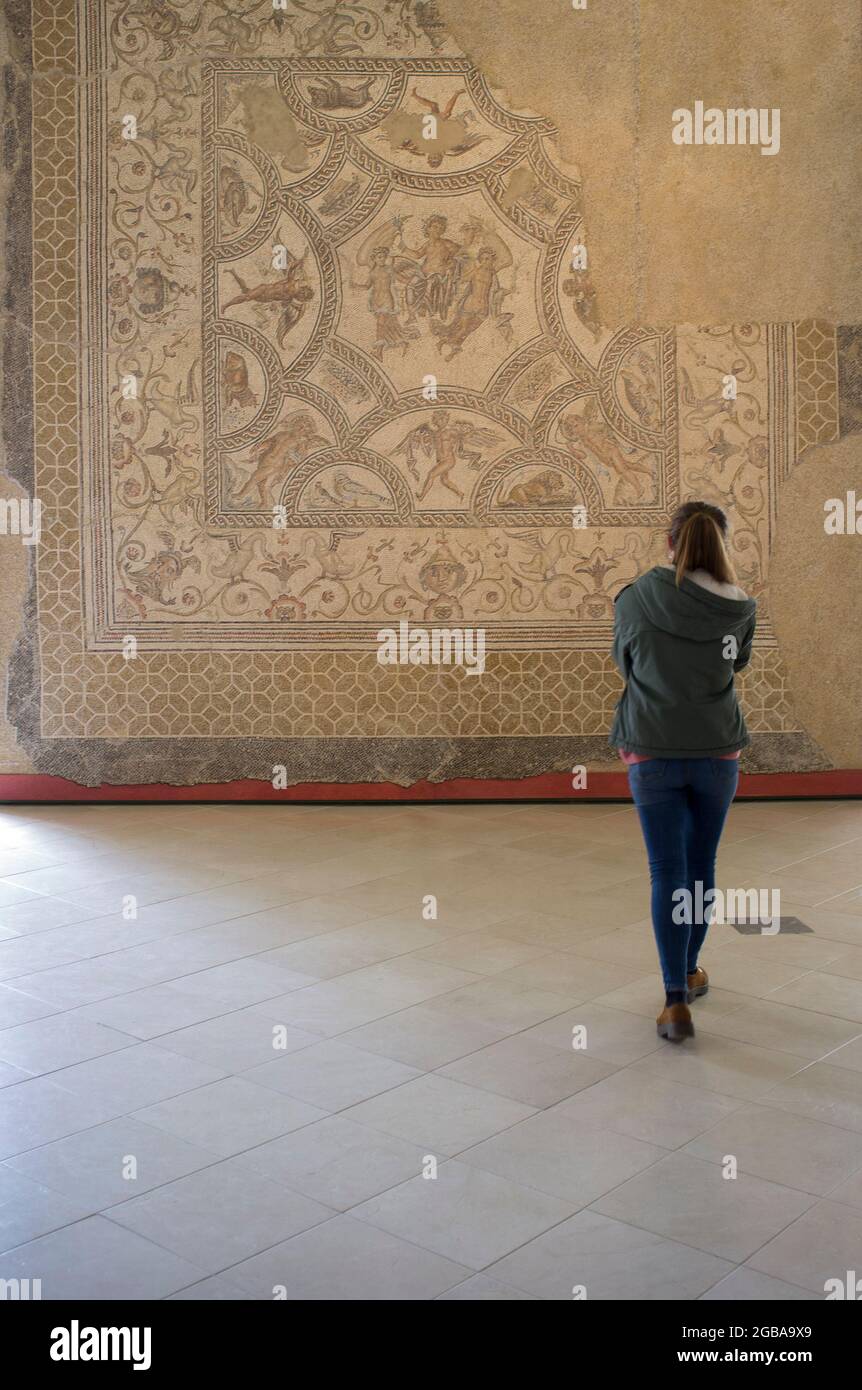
pixel 91 1165
pixel 481 1289
pixel 829 873
pixel 80 873
pixel 58 1040
pixel 96 1259
pixel 847 962
pixel 747 1286
pixel 17 1007
pixel 351 948
pixel 226 1117
pixel 823 1244
pixel 13 892
pixel 555 1153
pixel 487 862
pixel 578 976
pixel 15 861
pixel 810 837
pixel 237 984
pixel 782 1147
pixel 41 914
pixel 344 1259
pixel 824 994
pixel 721 1064
pixel 616 905
pixel 336 1161
pixel 254 1214
pixel 612 1035
pixel 36 1111
pixel 147 887
pixel 619 873
pixel 681 1196
pixel 649 1108
pixel 25 954
pixel 849 903
pixel 331 1074
pixel 824 1092
pixel 445 1115
pixel 465 1215
pixel 412 980
pixel 589 820
pixel 840 928
pixel 806 952
pixel 814 888
pixel 483 953
pixel 424 1038
pixel 550 932
pixel 609 1261
pixel 646 996
pixel 455 916
pixel 527 1070
pixel 558 844
pixel 784 1028
pixel 237 1041
pixel 502 1004
pixel 262 931
pixel 348 871
pixel 746 860
pixel 323 913
pixel 749 977
pixel 850 1055
pixel 631 946
pixel 849 1193
pixel 770 815
pixel 334 1006
pixel 215 1289
pixel 149 1013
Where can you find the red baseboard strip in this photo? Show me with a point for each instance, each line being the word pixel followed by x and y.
pixel 548 786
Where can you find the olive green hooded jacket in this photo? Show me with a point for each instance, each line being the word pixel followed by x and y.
pixel 677 649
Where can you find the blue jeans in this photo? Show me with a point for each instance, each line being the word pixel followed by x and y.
pixel 682 804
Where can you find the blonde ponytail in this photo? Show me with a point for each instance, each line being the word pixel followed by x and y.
pixel 698 536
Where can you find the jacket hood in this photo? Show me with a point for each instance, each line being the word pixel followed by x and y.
pixel 686 610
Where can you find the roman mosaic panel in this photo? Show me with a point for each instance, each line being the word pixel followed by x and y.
pixel 314 352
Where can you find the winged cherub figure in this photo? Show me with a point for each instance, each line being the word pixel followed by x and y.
pixel 291 294
pixel 447 442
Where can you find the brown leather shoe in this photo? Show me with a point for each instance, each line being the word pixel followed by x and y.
pixel 674 1023
pixel 698 984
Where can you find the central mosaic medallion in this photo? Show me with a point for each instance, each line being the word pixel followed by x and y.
pixel 395 341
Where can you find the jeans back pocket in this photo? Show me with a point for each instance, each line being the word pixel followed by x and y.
pixel 650 773
pixel 724 769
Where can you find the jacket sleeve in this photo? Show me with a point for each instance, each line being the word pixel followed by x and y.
pixel 744 656
pixel 622 633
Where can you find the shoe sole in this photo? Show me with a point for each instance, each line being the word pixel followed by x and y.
pixel 675 1032
pixel 696 993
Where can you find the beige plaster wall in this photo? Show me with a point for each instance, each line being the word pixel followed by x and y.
pixel 816 601
pixel 696 234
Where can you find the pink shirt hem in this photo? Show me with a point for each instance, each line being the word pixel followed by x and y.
pixel 644 758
